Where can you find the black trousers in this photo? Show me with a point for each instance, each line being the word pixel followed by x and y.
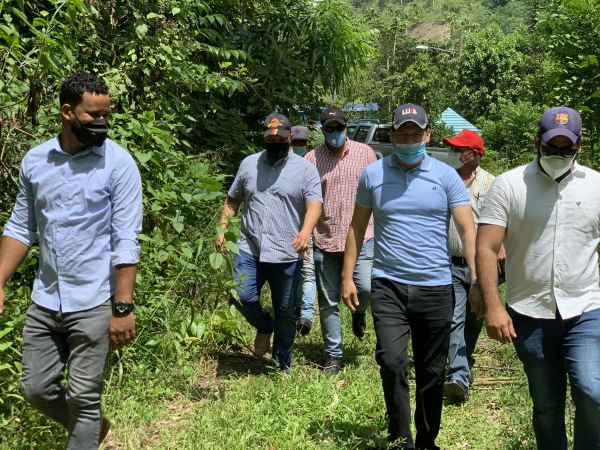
pixel 426 311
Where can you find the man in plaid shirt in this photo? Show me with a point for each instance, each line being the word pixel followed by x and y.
pixel 340 163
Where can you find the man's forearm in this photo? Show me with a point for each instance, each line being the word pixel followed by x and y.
pixel 488 276
pixel 230 209
pixel 354 243
pixel 125 282
pixel 12 254
pixel 468 241
pixel 313 212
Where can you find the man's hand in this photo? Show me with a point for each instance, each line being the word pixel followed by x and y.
pixel 499 325
pixel 301 242
pixel 122 330
pixel 349 294
pixel 476 301
pixel 501 261
pixel 220 244
pixel 2 299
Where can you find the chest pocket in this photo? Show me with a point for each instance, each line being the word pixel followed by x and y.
pixel 585 217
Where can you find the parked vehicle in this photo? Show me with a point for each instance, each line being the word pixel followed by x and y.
pixel 377 136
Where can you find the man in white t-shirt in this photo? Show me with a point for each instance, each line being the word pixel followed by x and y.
pixel 548 215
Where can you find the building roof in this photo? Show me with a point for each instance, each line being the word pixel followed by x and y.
pixel 455 121
pixel 361 107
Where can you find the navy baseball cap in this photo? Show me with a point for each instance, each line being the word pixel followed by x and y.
pixel 560 121
pixel 277 125
pixel 300 132
pixel 410 112
pixel 331 114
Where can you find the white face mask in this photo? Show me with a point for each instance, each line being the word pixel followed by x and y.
pixel 454 160
pixel 555 166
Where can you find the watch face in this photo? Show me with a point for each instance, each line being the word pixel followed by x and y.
pixel 121 308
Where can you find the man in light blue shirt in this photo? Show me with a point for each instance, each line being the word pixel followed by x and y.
pixel 412 197
pixel 282 199
pixel 81 195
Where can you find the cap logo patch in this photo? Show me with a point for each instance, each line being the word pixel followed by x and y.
pixel 562 119
pixel 297 131
pixel 332 113
pixel 275 123
pixel 409 111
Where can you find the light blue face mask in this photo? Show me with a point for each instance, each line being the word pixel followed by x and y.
pixel 410 153
pixel 336 139
pixel 300 151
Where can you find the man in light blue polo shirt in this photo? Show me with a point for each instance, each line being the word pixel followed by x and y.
pixel 412 197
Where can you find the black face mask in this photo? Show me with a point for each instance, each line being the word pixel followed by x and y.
pixel 91 134
pixel 278 151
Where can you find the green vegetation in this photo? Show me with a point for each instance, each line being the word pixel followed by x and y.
pixel 190 83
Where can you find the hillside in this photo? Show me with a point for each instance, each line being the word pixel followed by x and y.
pixel 509 14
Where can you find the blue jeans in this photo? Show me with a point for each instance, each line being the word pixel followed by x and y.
pixel 283 279
pixel 307 291
pixel 328 269
pixel 465 328
pixel 551 349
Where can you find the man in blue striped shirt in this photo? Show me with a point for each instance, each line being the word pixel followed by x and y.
pixel 282 199
pixel 84 194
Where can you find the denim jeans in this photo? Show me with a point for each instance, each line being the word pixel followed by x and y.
pixel 53 340
pixel 307 291
pixel 426 312
pixel 283 279
pixel 551 349
pixel 328 269
pixel 465 328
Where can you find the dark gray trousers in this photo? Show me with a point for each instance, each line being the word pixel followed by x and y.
pixel 53 340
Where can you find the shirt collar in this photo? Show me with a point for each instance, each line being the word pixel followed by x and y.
pixel 54 145
pixel 425 165
pixel 279 161
pixel 333 154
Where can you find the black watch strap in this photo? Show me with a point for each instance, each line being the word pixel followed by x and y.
pixel 123 307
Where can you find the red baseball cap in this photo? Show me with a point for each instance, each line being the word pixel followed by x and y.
pixel 466 138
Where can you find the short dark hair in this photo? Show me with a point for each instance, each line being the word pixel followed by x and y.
pixel 76 85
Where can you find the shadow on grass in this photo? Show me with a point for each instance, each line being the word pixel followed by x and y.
pixel 347 435
pixel 240 365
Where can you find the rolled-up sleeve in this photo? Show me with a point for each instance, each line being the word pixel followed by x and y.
pixel 22 224
pixel 126 213
pixel 312 185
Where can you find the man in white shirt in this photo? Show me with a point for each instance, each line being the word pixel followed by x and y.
pixel 548 215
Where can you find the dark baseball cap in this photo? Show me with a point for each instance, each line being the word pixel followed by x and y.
pixel 300 132
pixel 331 114
pixel 277 125
pixel 560 121
pixel 410 112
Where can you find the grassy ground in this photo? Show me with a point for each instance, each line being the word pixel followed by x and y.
pixel 231 400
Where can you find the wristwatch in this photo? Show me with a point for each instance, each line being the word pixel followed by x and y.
pixel 123 307
pixel 474 282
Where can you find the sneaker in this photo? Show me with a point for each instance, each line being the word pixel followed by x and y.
pixel 262 343
pixel 332 365
pixel 303 326
pixel 104 430
pixel 359 324
pixel 456 392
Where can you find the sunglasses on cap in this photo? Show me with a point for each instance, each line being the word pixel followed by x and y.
pixel 331 129
pixel 566 152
